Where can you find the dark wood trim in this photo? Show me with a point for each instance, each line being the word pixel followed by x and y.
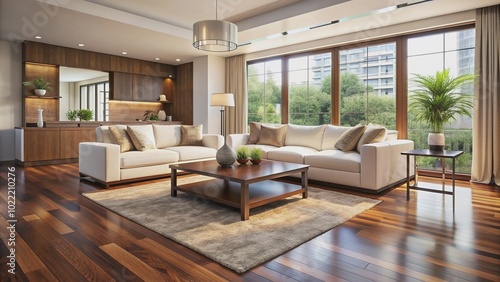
pixel 401 88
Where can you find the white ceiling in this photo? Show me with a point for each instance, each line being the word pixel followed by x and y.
pixel 148 29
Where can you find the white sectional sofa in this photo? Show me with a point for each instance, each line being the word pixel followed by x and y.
pixel 104 161
pixel 376 167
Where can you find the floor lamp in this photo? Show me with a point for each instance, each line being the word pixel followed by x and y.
pixel 225 155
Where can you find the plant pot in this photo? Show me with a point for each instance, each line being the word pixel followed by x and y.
pixel 40 92
pixel 256 162
pixel 436 141
pixel 242 161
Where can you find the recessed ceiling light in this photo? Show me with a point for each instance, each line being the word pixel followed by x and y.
pixel 81 44
pixel 157 59
pixel 38 37
pixel 177 60
pixel 124 53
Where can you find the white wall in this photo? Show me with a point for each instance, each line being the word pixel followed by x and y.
pixel 10 97
pixel 208 78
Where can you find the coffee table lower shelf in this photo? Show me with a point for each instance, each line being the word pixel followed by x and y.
pixel 230 193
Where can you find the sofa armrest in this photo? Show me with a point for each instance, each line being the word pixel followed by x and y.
pixel 99 160
pixel 382 163
pixel 235 140
pixel 213 141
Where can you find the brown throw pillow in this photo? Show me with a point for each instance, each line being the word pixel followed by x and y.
pixel 122 138
pixel 140 140
pixel 349 139
pixel 274 136
pixel 254 133
pixel 372 134
pixel 191 135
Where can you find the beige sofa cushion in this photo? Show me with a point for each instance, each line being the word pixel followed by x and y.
pixel 167 135
pixel 335 160
pixel 140 138
pixel 187 153
pixel 146 130
pixel 373 134
pixel 349 139
pixel 305 135
pixel 103 134
pixel 147 158
pixel 274 136
pixel 292 154
pixel 331 135
pixel 122 138
pixel 191 135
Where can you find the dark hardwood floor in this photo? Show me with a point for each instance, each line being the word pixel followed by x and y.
pixel 60 235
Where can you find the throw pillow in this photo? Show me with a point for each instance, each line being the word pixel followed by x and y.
pixel 192 135
pixel 254 133
pixel 372 134
pixel 122 138
pixel 349 139
pixel 274 136
pixel 140 140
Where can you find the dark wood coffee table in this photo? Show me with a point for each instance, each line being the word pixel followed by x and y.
pixel 242 186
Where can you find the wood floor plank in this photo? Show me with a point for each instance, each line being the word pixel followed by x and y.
pixel 144 271
pixel 190 268
pixel 81 262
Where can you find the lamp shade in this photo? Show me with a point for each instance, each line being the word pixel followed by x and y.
pixel 215 36
pixel 222 99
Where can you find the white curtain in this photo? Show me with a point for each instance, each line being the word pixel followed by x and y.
pixel 236 116
pixel 486 128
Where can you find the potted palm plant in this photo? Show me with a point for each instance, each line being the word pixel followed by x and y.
pixel 40 84
pixel 437 100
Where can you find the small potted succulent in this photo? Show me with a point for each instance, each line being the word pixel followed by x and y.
pixel 40 84
pixel 256 155
pixel 242 154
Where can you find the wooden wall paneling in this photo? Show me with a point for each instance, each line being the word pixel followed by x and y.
pixel 169 88
pixel 182 108
pixel 43 53
pixel 70 139
pixel 87 60
pixel 50 109
pixel 146 88
pixel 120 86
pixel 122 111
pixel 120 64
pixel 41 144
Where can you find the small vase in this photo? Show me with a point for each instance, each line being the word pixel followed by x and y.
pixel 225 156
pixel 162 115
pixel 40 118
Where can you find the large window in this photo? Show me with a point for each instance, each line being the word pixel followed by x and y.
pixel 436 52
pixel 370 86
pixel 264 91
pixel 309 84
pixel 367 85
pixel 95 97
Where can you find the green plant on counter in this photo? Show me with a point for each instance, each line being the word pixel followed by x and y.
pixel 72 115
pixel 38 83
pixel 149 115
pixel 85 114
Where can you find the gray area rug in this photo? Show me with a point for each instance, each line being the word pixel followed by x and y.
pixel 217 232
